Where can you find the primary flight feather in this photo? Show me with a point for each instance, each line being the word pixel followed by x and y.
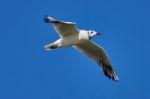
pixel 81 40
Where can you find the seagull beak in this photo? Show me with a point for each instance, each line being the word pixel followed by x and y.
pixel 99 33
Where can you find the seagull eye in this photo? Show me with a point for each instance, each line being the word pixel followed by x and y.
pixel 92 32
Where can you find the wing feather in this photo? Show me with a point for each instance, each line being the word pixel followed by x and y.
pixel 98 54
pixel 64 29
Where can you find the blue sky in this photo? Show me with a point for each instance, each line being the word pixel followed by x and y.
pixel 27 71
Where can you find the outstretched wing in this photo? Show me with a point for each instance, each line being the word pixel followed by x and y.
pixel 62 28
pixel 97 53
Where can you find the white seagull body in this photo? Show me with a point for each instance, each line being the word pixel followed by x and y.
pixel 80 40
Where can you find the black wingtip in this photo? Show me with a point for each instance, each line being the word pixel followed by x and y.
pixel 111 76
pixel 46 16
pixel 46 20
pixel 109 72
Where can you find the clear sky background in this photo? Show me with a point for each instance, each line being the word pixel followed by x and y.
pixel 27 71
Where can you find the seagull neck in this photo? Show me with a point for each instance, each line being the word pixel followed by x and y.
pixel 83 35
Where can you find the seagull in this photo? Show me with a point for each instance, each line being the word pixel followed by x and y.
pixel 81 40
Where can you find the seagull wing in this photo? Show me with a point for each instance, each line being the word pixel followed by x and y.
pixel 62 28
pixel 97 54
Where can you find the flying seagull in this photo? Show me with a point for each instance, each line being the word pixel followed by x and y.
pixel 80 40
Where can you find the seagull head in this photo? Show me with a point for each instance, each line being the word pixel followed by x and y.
pixel 92 33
